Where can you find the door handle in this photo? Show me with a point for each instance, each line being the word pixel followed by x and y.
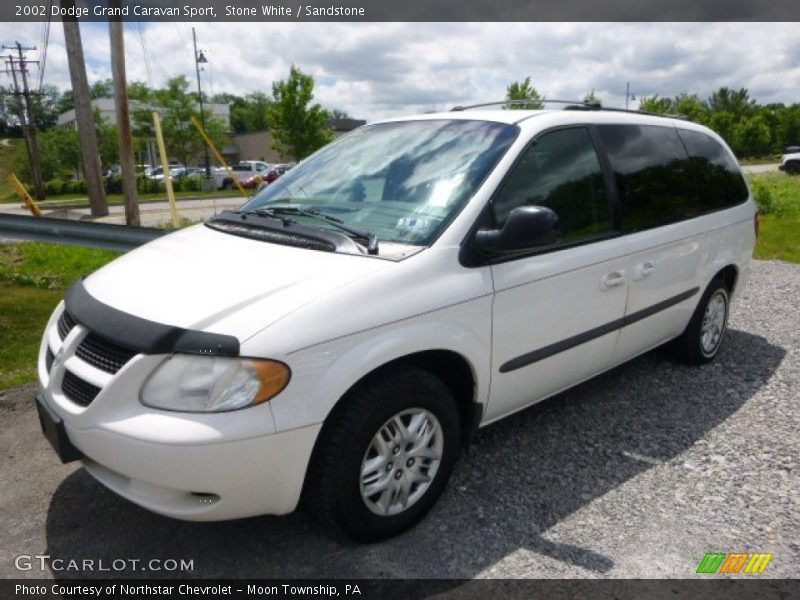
pixel 643 270
pixel 612 280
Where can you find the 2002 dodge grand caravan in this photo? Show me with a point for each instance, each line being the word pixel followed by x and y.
pixel 342 335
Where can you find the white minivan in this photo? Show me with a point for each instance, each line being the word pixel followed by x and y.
pixel 339 338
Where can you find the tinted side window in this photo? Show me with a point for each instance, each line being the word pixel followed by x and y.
pixel 653 175
pixel 719 181
pixel 562 172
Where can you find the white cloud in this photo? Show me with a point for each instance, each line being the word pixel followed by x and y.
pixel 379 69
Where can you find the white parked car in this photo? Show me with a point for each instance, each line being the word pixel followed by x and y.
pixel 241 170
pixel 345 333
pixel 790 161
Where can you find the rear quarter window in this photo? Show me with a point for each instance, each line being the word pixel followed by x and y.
pixel 653 173
pixel 719 181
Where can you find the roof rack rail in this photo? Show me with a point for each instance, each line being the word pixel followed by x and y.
pixel 572 105
pixel 580 104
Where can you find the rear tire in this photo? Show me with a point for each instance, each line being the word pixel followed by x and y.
pixel 385 455
pixel 701 340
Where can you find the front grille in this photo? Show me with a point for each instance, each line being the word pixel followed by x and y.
pixel 49 357
pixel 79 391
pixel 103 354
pixel 65 324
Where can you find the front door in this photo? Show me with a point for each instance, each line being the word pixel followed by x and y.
pixel 557 312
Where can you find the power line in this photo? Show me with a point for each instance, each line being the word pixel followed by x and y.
pixel 45 44
pixel 142 36
pixel 145 54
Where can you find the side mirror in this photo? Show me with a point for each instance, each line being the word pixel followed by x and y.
pixel 526 227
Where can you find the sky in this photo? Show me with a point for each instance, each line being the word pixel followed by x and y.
pixel 377 70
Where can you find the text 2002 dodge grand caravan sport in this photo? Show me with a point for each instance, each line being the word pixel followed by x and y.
pixel 342 335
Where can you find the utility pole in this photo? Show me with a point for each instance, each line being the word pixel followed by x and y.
pixel 116 33
pixel 84 116
pixel 27 118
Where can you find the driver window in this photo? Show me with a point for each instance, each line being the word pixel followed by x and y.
pixel 562 172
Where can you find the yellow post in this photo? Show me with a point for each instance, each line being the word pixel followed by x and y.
pixel 162 150
pixel 26 197
pixel 218 156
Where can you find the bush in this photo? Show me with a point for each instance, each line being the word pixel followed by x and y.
pixel 54 187
pixel 765 200
pixel 78 186
pixel 776 194
pixel 191 184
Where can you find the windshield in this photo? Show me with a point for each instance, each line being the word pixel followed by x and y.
pixel 402 182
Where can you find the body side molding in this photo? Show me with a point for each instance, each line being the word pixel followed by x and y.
pixel 587 336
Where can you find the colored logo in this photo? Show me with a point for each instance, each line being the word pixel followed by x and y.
pixel 737 562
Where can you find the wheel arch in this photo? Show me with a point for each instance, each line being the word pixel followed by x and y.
pixel 452 368
pixel 730 275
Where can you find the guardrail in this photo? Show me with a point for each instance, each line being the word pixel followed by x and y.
pixel 77 233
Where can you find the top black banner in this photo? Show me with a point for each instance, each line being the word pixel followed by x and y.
pixel 402 10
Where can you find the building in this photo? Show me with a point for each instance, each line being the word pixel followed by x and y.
pixel 107 110
pixel 257 145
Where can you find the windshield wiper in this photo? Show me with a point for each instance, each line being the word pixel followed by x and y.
pixel 370 239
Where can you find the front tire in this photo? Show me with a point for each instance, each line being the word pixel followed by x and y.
pixel 701 340
pixel 385 455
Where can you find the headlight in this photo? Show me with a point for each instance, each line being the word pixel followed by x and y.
pixel 209 384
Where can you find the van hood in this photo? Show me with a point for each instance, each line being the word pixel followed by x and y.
pixel 202 279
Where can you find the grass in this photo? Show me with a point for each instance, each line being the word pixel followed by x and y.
pixel 778 199
pixel 82 201
pixel 33 279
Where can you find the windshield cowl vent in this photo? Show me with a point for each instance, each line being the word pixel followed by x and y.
pixel 285 238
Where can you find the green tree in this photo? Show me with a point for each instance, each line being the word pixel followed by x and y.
pixel 102 89
pixel 107 141
pixel 520 91
pixel 250 113
pixel 788 128
pixel 339 114
pixel 176 107
pixel 59 155
pixel 592 98
pixel 65 102
pixel 736 102
pixel 751 136
pixel 689 105
pixel 655 104
pixel 298 126
pixel 139 91
pixel 723 123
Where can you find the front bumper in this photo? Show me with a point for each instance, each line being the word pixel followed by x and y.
pixel 195 481
pixel 184 465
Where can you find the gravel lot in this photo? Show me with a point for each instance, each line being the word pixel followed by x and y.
pixel 637 473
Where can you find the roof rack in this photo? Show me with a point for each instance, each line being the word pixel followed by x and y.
pixel 579 104
pixel 572 105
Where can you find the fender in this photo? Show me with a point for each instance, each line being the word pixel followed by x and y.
pixel 327 371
